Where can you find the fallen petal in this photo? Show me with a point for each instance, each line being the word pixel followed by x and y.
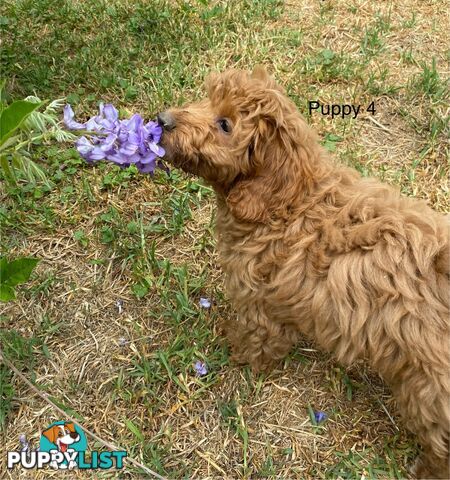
pixel 205 302
pixel 200 368
pixel 320 416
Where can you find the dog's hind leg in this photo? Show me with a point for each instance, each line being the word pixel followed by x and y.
pixel 258 340
pixel 429 466
pixel 423 399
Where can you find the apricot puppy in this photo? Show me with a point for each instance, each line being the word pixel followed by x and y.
pixel 309 247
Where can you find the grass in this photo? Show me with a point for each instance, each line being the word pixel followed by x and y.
pixel 105 235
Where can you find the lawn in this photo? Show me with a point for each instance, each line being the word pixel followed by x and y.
pixel 110 324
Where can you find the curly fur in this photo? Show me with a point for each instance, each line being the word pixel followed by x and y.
pixel 311 248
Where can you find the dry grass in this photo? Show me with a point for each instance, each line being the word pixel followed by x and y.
pixel 229 424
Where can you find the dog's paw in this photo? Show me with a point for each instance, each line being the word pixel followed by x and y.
pixel 258 363
pixel 238 359
pixel 426 468
pixel 262 365
pixel 415 467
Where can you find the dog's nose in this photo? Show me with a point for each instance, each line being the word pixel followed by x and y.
pixel 73 435
pixel 166 120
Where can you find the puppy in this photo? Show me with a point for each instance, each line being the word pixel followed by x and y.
pixel 309 247
pixel 62 436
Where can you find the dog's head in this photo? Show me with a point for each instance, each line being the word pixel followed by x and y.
pixel 62 435
pixel 247 139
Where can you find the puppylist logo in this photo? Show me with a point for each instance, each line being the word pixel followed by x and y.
pixel 63 445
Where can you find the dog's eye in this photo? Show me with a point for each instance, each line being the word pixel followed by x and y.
pixel 224 125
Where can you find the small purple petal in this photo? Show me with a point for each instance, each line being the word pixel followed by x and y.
pixel 134 139
pixel 320 416
pixel 93 125
pixel 205 302
pixel 108 143
pixel 148 158
pixel 110 113
pixel 136 157
pixel 118 158
pixel 128 149
pixel 84 146
pixel 134 123
pixel 156 149
pixel 146 167
pixel 97 154
pixel 154 129
pixel 122 135
pixel 122 341
pixel 200 368
pixel 69 119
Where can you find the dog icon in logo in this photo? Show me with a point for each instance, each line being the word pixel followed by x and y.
pixel 63 436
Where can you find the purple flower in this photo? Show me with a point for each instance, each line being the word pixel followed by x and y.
pixel 122 341
pixel 69 121
pixel 320 416
pixel 200 368
pixel 124 142
pixel 25 446
pixel 205 302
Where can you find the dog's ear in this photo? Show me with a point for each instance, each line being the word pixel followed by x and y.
pixel 51 434
pixel 247 200
pixel 250 199
pixel 280 170
pixel 260 73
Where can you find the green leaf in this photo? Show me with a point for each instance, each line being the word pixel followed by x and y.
pixel 327 54
pixel 18 271
pixel 30 169
pixel 3 263
pixel 9 173
pixel 133 429
pixel 12 117
pixel 70 411
pixel 9 143
pixel 107 235
pixel 79 236
pixel 46 351
pixel 6 293
pixel 312 416
pixel 73 98
pixel 2 94
pixel 330 141
pixel 140 290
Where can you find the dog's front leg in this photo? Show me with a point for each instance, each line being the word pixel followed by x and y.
pixel 257 339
